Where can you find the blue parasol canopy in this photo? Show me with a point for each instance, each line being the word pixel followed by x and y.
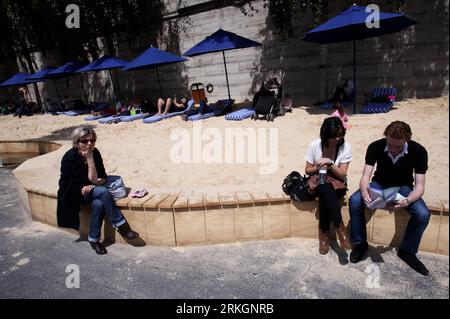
pixel 68 68
pixel 18 79
pixel 106 62
pixel 351 25
pixel 42 75
pixel 152 58
pixel 221 41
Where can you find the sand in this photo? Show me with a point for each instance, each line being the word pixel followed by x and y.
pixel 141 153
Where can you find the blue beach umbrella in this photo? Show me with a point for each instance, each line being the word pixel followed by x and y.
pixel 20 78
pixel 69 69
pixel 106 62
pixel 221 41
pixel 152 58
pixel 351 25
pixel 43 75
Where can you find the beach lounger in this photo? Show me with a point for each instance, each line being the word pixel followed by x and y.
pixel 75 112
pixel 241 114
pixel 131 118
pixel 380 107
pixel 111 119
pixel 329 104
pixel 219 112
pixel 157 118
pixel 95 117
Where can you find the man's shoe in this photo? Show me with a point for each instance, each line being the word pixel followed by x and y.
pixel 324 243
pixel 412 261
pixel 98 247
pixel 126 231
pixel 358 252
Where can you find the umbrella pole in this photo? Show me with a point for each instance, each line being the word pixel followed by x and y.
pixel 84 90
pixel 159 83
pixel 113 85
pixel 57 92
pixel 226 74
pixel 354 76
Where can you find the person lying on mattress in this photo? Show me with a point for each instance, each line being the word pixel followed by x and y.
pixel 172 105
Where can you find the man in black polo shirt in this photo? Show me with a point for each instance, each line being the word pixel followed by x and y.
pixel 402 163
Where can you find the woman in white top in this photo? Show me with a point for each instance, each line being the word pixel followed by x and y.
pixel 332 154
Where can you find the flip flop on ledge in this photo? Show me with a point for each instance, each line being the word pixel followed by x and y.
pixel 139 194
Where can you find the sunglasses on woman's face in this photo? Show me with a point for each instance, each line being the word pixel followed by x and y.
pixel 87 141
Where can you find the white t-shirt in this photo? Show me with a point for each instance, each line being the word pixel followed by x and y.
pixel 314 153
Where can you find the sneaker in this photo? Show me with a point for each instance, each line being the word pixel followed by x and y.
pixel 358 252
pixel 412 261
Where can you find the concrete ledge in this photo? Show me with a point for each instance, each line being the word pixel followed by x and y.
pixel 28 147
pixel 179 219
pixel 201 219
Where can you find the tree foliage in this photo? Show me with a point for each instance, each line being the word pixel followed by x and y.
pixel 285 13
pixel 39 25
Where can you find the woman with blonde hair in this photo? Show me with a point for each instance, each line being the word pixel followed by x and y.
pixel 82 177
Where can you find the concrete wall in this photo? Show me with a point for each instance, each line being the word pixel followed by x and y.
pixel 414 60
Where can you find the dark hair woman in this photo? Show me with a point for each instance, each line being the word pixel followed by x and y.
pixel 82 177
pixel 330 154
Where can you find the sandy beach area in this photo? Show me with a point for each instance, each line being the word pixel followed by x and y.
pixel 173 155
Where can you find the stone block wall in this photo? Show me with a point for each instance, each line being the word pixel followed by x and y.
pixel 414 60
pixel 205 219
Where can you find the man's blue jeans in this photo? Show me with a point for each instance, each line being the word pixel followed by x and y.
pixel 102 204
pixel 420 216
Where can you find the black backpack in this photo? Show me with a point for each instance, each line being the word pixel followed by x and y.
pixel 296 186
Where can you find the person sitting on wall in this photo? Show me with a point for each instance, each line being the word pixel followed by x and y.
pixel 332 154
pixel 402 163
pixel 82 178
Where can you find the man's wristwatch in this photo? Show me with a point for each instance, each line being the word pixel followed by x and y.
pixel 407 201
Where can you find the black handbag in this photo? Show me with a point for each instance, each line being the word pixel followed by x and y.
pixel 296 187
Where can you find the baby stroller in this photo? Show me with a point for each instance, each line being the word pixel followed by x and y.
pixel 268 100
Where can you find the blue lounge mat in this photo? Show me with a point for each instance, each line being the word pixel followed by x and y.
pixel 241 114
pixel 111 119
pixel 153 119
pixel 75 112
pixel 329 105
pixel 374 107
pixel 131 118
pixel 157 118
pixel 198 117
pixel 219 112
pixel 95 117
pixel 377 108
